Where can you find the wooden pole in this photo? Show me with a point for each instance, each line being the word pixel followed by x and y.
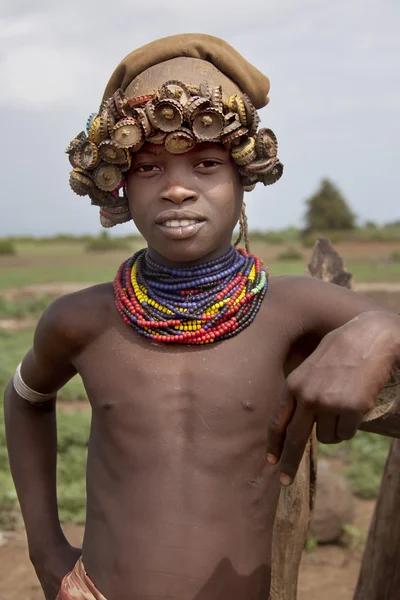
pixel 380 570
pixel 295 504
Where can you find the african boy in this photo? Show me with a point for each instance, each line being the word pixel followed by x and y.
pixel 195 365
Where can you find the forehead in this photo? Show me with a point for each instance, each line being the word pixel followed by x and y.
pixel 199 149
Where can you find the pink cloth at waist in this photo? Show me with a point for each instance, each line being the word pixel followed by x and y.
pixel 77 585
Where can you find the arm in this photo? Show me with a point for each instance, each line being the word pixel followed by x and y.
pixel 336 386
pixel 32 444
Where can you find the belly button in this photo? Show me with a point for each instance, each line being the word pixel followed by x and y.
pixel 247 405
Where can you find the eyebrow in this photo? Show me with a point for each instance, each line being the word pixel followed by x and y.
pixel 152 151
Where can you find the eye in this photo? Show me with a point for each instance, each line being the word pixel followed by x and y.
pixel 147 168
pixel 209 163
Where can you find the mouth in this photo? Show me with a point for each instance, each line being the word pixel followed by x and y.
pixel 179 225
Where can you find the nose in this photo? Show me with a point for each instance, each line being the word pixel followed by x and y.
pixel 178 194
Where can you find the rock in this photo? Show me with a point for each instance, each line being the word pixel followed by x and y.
pixel 334 505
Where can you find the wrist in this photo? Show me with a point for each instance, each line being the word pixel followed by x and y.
pixel 387 325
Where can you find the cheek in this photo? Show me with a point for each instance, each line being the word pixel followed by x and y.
pixel 137 201
pixel 233 199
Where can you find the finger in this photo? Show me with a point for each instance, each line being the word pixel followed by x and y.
pixel 298 434
pixel 347 425
pixel 327 428
pixel 278 422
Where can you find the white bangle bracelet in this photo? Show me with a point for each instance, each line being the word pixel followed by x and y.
pixel 26 392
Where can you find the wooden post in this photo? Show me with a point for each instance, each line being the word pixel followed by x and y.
pixel 296 503
pixel 380 571
pixel 292 519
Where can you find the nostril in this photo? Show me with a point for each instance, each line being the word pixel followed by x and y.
pixel 178 194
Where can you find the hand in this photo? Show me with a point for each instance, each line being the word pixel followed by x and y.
pixel 334 388
pixel 53 565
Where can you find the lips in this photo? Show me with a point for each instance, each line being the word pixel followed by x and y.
pixel 179 216
pixel 179 231
pixel 180 224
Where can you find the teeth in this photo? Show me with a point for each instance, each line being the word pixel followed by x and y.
pixel 181 223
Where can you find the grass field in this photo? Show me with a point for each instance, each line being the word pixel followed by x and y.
pixel 62 261
pixel 41 263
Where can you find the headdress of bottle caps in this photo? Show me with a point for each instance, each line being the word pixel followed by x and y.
pixel 178 116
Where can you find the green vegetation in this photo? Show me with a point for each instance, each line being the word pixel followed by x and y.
pixel 13 347
pixel 283 236
pixel 357 235
pixel 328 210
pixel 365 456
pixel 105 243
pixel 48 261
pixel 290 254
pixel 368 271
pixel 73 434
pixel 395 257
pixel 25 306
pixel 7 247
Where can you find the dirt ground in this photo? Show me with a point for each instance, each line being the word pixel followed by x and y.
pixel 328 572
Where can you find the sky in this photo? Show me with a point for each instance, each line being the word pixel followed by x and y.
pixel 334 101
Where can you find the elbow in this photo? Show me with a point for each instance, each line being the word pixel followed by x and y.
pixel 14 402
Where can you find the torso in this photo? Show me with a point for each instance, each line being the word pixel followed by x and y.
pixel 181 500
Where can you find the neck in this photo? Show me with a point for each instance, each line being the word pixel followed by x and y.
pixel 165 262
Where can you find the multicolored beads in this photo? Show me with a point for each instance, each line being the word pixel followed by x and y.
pixel 198 305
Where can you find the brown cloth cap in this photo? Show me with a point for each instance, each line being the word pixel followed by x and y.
pixel 195 45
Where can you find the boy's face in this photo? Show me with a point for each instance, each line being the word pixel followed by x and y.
pixel 185 205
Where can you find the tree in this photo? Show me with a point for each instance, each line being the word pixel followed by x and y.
pixel 327 210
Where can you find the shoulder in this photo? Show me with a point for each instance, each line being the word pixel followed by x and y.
pixel 316 306
pixel 294 289
pixel 72 321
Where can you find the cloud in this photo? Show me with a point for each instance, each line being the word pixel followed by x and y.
pixel 40 75
pixel 334 95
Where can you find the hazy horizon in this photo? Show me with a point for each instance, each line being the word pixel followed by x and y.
pixel 334 99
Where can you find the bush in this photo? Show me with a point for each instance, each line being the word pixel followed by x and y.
pixel 395 257
pixel 104 243
pixel 290 254
pixel 7 247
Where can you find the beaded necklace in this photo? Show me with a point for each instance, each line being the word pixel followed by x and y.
pixel 198 305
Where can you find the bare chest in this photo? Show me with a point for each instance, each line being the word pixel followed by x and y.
pixel 223 388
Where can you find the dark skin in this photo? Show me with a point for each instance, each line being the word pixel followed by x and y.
pixel 181 498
